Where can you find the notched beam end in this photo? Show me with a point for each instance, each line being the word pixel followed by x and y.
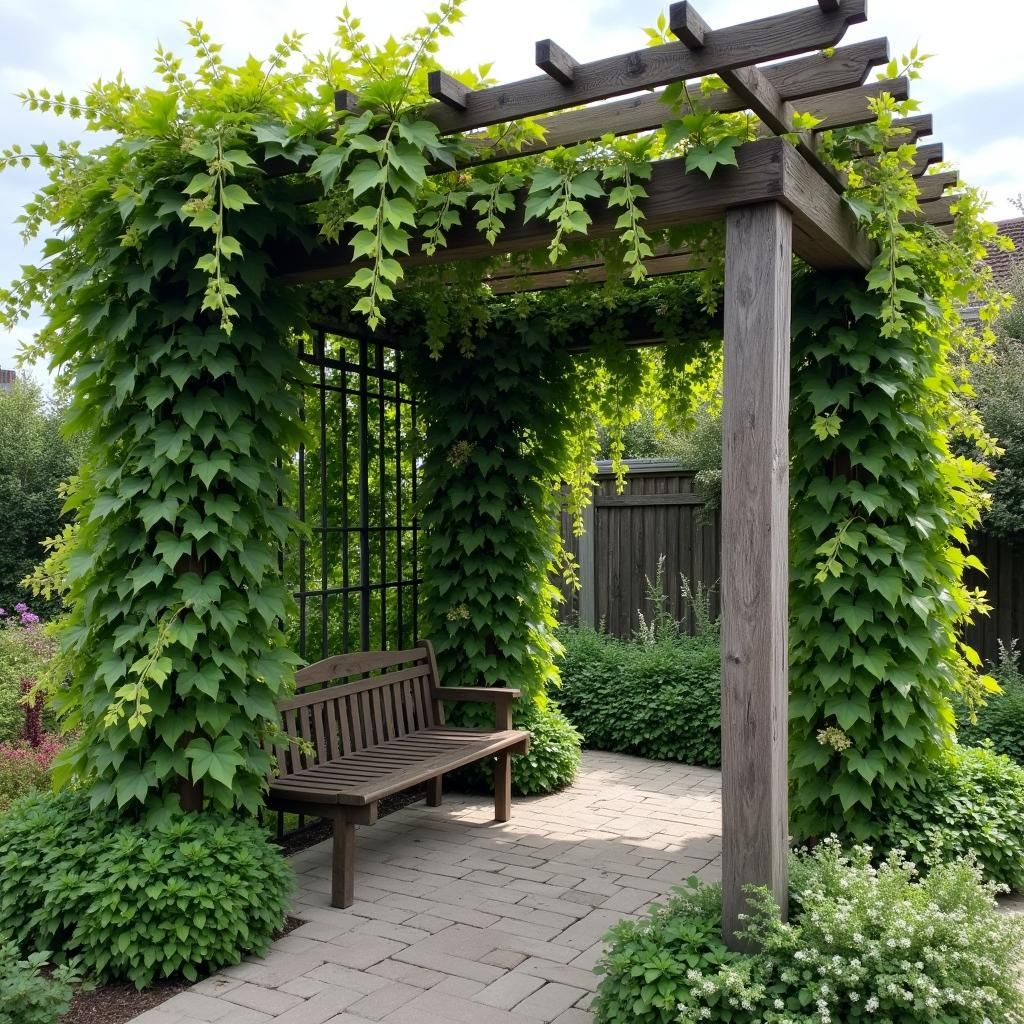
pixel 448 90
pixel 345 102
pixel 554 61
pixel 687 25
pixel 853 12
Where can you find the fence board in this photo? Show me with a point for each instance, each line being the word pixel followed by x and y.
pixel 1005 587
pixel 660 513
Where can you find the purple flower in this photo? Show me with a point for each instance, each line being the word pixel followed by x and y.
pixel 21 607
pixel 2 613
pixel 27 618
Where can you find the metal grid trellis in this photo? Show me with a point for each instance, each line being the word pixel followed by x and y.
pixel 356 576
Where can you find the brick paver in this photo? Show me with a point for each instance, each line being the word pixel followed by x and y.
pixel 459 920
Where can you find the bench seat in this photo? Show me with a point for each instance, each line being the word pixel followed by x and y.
pixel 376 728
pixel 387 768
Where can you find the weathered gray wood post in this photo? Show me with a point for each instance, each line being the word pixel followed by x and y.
pixel 755 556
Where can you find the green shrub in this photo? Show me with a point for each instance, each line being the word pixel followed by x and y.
pixel 1001 719
pixel 195 893
pixel 970 801
pixel 27 996
pixel 660 700
pixel 647 967
pixel 551 764
pixel 863 943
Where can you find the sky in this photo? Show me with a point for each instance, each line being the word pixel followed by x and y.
pixel 974 84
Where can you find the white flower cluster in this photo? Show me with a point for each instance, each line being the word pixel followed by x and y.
pixel 871 944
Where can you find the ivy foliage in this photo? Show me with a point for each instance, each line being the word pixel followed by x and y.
pixel 879 518
pixel 173 641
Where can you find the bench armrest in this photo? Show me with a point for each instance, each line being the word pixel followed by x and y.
pixel 500 696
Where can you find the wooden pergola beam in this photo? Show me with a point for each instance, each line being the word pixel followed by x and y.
pixel 767 170
pixel 847 107
pixel 932 186
pixel 925 157
pixel 754 42
pixel 555 62
pixel 646 112
pixel 593 272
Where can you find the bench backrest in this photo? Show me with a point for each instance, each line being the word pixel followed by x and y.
pixel 377 696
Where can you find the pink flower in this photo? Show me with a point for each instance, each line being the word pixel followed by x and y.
pixel 27 618
pixel 21 607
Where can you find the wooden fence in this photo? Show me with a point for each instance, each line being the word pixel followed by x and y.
pixel 660 514
pixel 625 535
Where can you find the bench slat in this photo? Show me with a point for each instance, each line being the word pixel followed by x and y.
pixel 356 686
pixel 341 665
pixel 357 780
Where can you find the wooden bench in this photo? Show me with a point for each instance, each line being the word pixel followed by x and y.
pixel 376 735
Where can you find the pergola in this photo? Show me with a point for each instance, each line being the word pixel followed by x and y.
pixel 781 200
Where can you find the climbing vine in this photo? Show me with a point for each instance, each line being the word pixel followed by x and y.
pixel 881 507
pixel 162 308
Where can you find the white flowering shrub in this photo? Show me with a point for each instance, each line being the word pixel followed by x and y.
pixel 870 944
pixel 652 963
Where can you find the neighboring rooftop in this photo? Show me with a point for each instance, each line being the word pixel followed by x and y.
pixel 1002 262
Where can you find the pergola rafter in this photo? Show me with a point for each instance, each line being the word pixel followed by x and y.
pixel 779 200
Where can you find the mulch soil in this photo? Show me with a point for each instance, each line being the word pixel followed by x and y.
pixel 122 1001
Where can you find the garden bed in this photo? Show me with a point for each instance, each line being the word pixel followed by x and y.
pixel 121 1002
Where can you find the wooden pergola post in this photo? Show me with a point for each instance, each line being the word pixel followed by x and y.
pixel 755 557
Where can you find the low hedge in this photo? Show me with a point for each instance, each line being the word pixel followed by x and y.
pixel 659 700
pixel 127 900
pixel 970 802
pixel 1000 721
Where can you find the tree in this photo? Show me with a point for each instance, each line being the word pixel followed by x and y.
pixel 999 385
pixel 35 459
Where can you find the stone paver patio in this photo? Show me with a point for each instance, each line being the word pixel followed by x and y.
pixel 459 920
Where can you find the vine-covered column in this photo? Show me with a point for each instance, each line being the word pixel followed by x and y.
pixel 495 425
pixel 880 510
pixel 173 643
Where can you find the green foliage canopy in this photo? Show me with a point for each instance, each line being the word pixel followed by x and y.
pixel 35 460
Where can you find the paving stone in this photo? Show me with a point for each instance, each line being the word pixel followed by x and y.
pixel 574 1016
pixel 550 1001
pixel 246 1015
pixel 408 974
pixel 303 987
pixel 345 977
pixel 198 1006
pixel 506 958
pixel 506 992
pixel 565 974
pixel 215 985
pixel 379 1004
pixel 267 1000
pixel 464 988
pixel 460 921
pixel 585 932
pixel 436 1007
pixel 320 1008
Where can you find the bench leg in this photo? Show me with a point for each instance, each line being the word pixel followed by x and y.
pixel 434 791
pixel 343 870
pixel 503 787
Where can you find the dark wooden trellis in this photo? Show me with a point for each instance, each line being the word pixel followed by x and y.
pixel 780 200
pixel 356 577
